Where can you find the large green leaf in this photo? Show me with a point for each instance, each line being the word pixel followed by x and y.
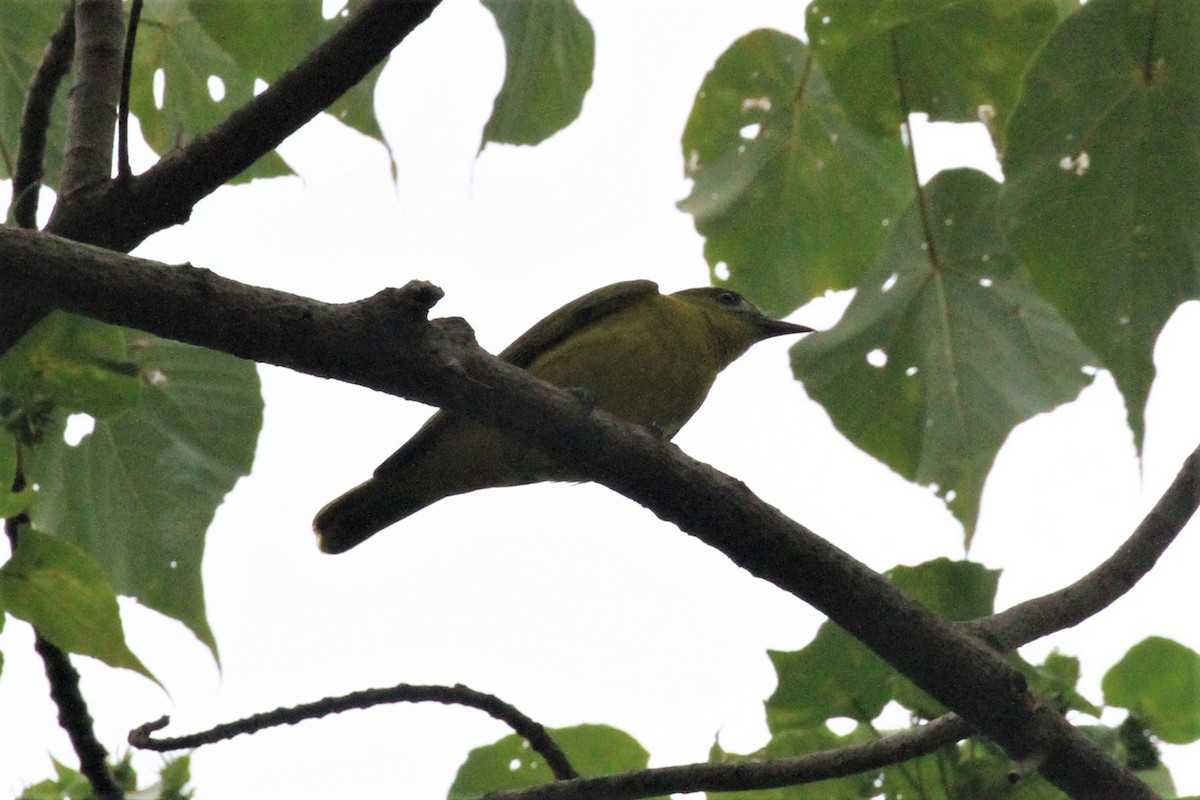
pixel 1103 179
pixel 791 198
pixel 139 492
pixel 243 31
pixel 549 54
pixel 511 763
pixel 944 349
pixel 1158 680
pixel 861 44
pixel 173 45
pixel 25 28
pixel 62 592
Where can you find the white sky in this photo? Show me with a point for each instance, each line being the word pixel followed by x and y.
pixel 569 601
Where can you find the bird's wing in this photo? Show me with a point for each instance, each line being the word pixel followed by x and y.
pixel 560 324
pixel 575 316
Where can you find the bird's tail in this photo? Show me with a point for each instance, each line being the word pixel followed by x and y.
pixel 361 513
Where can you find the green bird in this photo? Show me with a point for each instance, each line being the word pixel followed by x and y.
pixel 647 357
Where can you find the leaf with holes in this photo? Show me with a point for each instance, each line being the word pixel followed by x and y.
pixel 200 83
pixel 788 194
pixel 944 349
pixel 238 27
pixel 1103 179
pixel 862 43
pixel 139 492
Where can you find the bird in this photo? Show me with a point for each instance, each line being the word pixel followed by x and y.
pixel 646 357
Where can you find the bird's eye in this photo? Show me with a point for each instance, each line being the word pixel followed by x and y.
pixel 729 298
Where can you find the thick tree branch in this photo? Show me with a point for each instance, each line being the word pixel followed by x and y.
pixel 385 343
pixel 35 119
pixel 120 214
pixel 92 109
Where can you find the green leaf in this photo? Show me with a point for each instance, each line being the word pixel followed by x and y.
pixel 1057 677
pixel 76 363
pixel 1103 179
pixel 958 590
pixel 860 43
pixel 511 763
pixel 139 492
pixel 835 675
pixel 549 54
pixel 25 28
pixel 171 40
pixel 62 592
pixel 791 198
pixel 238 28
pixel 944 349
pixel 1158 680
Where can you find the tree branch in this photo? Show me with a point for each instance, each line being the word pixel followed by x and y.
pixel 385 343
pixel 120 215
pixel 753 775
pixel 35 119
pixel 74 718
pixel 524 726
pixel 1095 591
pixel 92 108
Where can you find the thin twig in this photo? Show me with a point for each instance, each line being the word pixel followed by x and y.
pixel 123 169
pixel 74 718
pixel 35 119
pixel 532 731
pixel 753 775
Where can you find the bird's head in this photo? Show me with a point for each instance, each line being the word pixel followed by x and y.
pixel 736 323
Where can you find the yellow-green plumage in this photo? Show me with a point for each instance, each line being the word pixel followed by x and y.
pixel 647 357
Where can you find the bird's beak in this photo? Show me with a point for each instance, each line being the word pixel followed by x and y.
pixel 777 327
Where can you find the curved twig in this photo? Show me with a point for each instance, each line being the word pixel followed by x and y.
pixel 35 119
pixel 1115 576
pixel 458 694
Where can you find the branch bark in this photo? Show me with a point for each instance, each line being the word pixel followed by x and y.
pixel 385 343
pixel 92 110
pixel 35 119
pixel 121 214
